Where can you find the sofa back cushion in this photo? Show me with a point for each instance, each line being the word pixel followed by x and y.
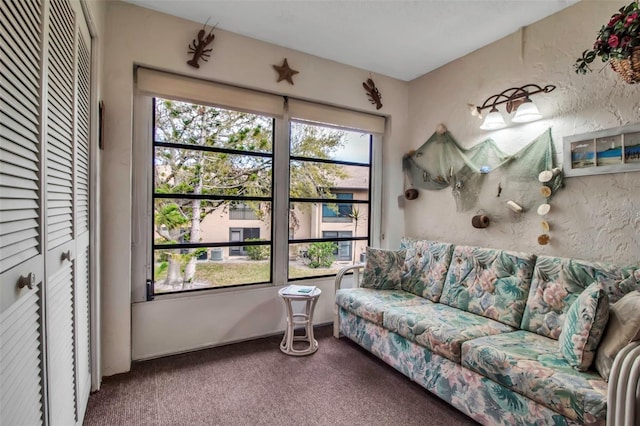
pixel 425 268
pixel 489 282
pixel 557 282
pixel 407 242
pixel 383 269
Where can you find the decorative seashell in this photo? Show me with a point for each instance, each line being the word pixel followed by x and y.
pixel 543 239
pixel 545 191
pixel 545 226
pixel 514 206
pixel 545 176
pixel 543 209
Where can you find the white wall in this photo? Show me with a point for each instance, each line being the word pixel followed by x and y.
pixel 140 36
pixel 96 11
pixel 594 217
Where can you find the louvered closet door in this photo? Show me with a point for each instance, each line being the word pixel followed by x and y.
pixel 60 211
pixel 81 229
pixel 21 218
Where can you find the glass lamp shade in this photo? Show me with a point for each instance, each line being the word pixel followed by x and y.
pixel 527 112
pixel 493 121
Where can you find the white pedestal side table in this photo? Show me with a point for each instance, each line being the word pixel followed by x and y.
pixel 305 319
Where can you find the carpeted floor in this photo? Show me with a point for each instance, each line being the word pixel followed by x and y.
pixel 253 383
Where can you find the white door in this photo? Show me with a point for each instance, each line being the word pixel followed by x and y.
pixel 67 202
pixel 82 237
pixel 21 215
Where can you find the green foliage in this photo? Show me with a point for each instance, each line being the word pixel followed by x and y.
pixel 185 171
pixel 170 216
pixel 160 271
pixel 162 256
pixel 355 214
pixel 198 252
pixel 310 179
pixel 257 252
pixel 321 254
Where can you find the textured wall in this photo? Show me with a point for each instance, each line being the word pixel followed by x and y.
pixel 141 36
pixel 593 217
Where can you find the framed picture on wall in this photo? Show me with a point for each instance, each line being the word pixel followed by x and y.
pixel 605 151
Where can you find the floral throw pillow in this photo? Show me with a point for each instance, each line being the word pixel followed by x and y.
pixel 383 269
pixel 583 327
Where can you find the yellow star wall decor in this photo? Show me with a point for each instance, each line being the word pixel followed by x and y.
pixel 285 72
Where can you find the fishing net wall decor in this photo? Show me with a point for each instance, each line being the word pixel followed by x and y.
pixel 442 163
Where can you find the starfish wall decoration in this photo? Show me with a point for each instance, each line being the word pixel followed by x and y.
pixel 285 72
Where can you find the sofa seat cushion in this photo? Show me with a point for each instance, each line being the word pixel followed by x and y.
pixel 370 304
pixel 489 282
pixel 531 365
pixel 440 328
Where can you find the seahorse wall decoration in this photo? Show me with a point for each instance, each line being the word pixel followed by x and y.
pixel 197 46
pixel 373 93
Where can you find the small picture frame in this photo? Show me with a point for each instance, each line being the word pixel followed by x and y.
pixel 605 151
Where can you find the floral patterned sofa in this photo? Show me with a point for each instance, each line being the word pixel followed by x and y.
pixel 493 332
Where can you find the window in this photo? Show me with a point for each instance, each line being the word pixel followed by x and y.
pixel 332 212
pixel 242 234
pixel 208 160
pixel 242 211
pixel 330 187
pixel 343 249
pixel 236 177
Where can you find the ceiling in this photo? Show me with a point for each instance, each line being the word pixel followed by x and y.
pixel 397 38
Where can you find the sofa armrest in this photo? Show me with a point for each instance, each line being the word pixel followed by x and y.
pixel 356 275
pixel 339 277
pixel 623 401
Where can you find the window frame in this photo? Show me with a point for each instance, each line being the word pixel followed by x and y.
pixel 352 201
pixel 233 198
pixel 142 207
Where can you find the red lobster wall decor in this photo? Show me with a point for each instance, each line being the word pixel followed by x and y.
pixel 373 93
pixel 197 46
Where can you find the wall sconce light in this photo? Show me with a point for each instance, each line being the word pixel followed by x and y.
pixel 516 99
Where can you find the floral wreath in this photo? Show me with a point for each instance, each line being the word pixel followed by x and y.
pixel 616 40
